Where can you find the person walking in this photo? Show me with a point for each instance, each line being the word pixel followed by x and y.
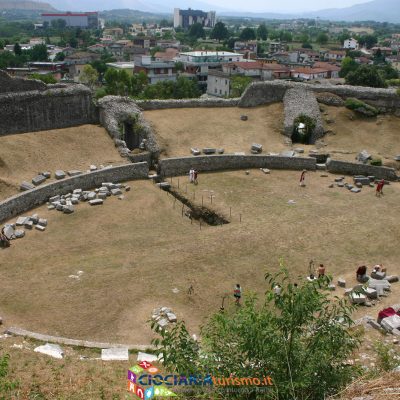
pixel 379 188
pixel 195 173
pixel 321 270
pixel 191 175
pixel 303 178
pixel 237 294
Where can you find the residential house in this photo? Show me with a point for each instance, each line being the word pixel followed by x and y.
pixel 275 47
pixel 197 64
pixel 351 44
pixel 168 55
pixel 385 51
pixel 308 73
pixel 165 44
pixel 335 55
pixel 156 71
pixel 248 49
pixel 219 84
pixel 81 58
pixel 129 67
pixel 333 70
pixel 114 32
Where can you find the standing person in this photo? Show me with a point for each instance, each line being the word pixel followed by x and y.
pixel 4 241
pixel 237 294
pixel 191 175
pixel 379 188
pixel 195 173
pixel 303 178
pixel 321 270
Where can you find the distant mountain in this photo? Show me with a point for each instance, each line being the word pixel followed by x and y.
pixel 377 10
pixel 157 6
pixel 25 5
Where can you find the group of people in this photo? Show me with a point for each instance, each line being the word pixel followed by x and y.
pixel 193 176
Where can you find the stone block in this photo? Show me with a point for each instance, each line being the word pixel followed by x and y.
pixel 9 232
pixel 396 332
pixel 52 350
pixel 21 221
pixel 28 225
pixel 68 209
pixel 19 233
pixel 332 287
pixel 378 275
pixel 239 153
pixel 102 195
pixel 34 218
pixel 164 185
pixel 339 179
pixel 364 180
pixel 91 196
pixel 59 174
pixel 209 150
pixel 38 179
pixel 54 198
pixel 116 192
pixel 42 222
pixel 355 190
pixel 299 150
pixel 265 170
pixel 163 323
pixel 390 323
pixel 370 293
pixel 392 278
pixel 171 317
pixel 40 228
pixel 221 151
pixel 256 147
pixel 359 184
pixel 358 298
pixel 26 186
pixel 96 202
pixel 151 358
pixel 115 354
pixel 195 151
pixel 77 191
pixel 321 167
pixel 127 188
pixel 340 184
pixel 60 207
pixel 74 200
pixel 341 282
pixel 374 324
pixel 93 168
pixel 244 117
pixel 74 172
pixel 363 156
pixel 46 174
pixel 288 153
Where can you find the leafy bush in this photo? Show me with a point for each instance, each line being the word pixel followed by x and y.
pixel 299 337
pixel 46 78
pixel 376 161
pixel 387 356
pixel 393 82
pixel 6 386
pixel 305 136
pixel 398 92
pixel 361 107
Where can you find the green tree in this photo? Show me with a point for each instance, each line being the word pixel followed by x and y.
pixel 306 46
pixel 239 85
pixel 38 53
pixel 59 57
pixel 368 41
pixel 348 65
pixel 89 76
pixel 220 32
pixel 262 32
pixel 138 83
pixel 365 75
pixel 196 31
pixel 285 36
pixel 300 338
pixel 17 49
pixel 322 38
pixel 248 34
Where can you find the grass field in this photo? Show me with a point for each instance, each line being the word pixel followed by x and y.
pixel 135 251
pixel 22 156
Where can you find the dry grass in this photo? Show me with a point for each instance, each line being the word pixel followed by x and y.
pixel 379 136
pixel 178 130
pixel 134 252
pixel 22 156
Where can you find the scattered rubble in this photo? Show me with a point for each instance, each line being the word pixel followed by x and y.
pixel 163 316
pixel 52 350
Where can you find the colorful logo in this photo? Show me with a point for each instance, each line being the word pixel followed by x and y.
pixel 135 375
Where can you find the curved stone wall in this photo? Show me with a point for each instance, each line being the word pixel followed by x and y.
pixel 26 200
pixel 181 166
pixel 114 111
pixel 48 109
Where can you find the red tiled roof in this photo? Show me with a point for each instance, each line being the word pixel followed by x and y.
pixel 327 66
pixel 309 70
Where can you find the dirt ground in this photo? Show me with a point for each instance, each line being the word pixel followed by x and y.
pixel 22 156
pixel 178 130
pixel 135 251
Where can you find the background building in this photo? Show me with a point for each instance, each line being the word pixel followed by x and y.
pixel 186 18
pixel 81 20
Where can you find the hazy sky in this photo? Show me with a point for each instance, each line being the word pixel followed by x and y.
pixel 284 5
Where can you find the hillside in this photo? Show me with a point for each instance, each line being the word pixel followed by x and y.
pixel 25 5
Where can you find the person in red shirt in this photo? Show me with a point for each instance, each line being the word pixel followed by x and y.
pixel 237 294
pixel 379 188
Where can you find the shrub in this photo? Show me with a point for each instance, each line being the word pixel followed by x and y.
pixel 387 356
pixel 361 107
pixel 398 92
pixel 393 82
pixel 376 161
pixel 305 136
pixel 299 337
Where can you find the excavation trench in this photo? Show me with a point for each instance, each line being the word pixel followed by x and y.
pixel 198 212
